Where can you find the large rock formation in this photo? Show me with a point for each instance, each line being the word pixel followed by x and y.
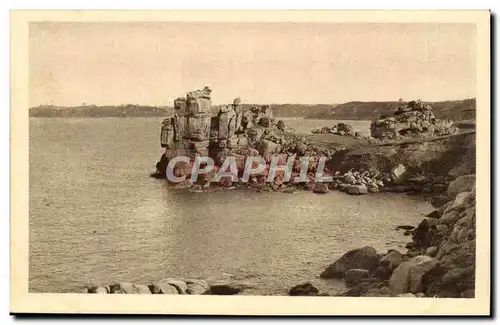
pixel 234 131
pixel 342 129
pixel 440 261
pixel 187 132
pixel 362 258
pixel 170 286
pixel 410 165
pixel 411 120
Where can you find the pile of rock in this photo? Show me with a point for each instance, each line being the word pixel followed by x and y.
pixel 373 181
pixel 411 120
pixel 187 132
pixel 170 286
pixel 341 129
pixel 357 183
pixel 439 262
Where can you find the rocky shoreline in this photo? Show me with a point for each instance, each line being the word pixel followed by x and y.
pixel 419 154
pixel 169 286
pixel 439 261
pixel 417 166
pixel 413 151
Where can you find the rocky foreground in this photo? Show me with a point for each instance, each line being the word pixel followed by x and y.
pixel 169 286
pixel 439 261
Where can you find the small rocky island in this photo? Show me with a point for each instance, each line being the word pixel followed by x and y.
pixel 409 152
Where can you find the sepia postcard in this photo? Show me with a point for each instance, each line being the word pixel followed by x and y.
pixel 250 162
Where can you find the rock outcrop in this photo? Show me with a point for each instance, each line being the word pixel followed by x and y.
pixel 418 165
pixel 170 286
pixel 305 289
pixel 411 120
pixel 362 258
pixel 342 129
pixel 424 165
pixel 440 260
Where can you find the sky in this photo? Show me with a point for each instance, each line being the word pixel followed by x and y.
pixel 152 63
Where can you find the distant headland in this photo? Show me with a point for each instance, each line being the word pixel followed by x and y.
pixel 356 110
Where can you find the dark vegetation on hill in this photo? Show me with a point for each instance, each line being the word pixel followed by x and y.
pixel 455 110
pixel 99 111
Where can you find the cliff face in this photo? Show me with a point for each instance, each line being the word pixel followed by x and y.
pixel 453 240
pixel 452 156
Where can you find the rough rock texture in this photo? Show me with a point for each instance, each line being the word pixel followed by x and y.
pixel 124 288
pixel 356 189
pixel 227 288
pixel 361 258
pixel 391 260
pixel 305 289
pixel 163 287
pixel 180 285
pixel 440 261
pixel 413 119
pixel 321 188
pixel 407 277
pixel 427 162
pixel 341 129
pixel 354 276
pixel 170 286
pixel 461 184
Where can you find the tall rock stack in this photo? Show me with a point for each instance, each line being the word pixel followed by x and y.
pixel 179 118
pixel 194 140
pixel 167 136
pixel 226 125
pixel 412 120
pixel 192 131
pixel 238 110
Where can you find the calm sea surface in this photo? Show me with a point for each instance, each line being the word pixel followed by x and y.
pixel 96 216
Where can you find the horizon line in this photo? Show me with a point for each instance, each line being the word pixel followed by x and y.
pixel 257 104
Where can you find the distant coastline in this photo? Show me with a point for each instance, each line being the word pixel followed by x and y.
pixel 456 110
pixel 99 111
pixel 357 110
